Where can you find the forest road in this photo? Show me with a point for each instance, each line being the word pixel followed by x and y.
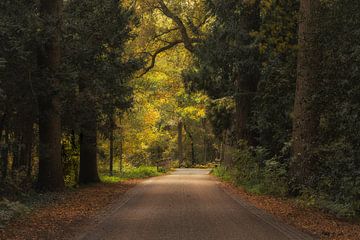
pixel 184 205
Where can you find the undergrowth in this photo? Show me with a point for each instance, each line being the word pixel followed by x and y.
pixel 132 173
pixel 257 173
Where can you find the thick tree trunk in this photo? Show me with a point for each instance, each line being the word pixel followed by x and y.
pixel 180 154
pixel 88 150
pixel 50 176
pixel 88 136
pixel 305 118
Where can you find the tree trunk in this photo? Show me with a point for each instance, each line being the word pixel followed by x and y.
pixel 121 150
pixel 88 136
pixel 22 153
pixel 246 89
pixel 111 139
pixel 305 118
pixel 180 154
pixel 205 141
pixel 50 176
pixel 88 150
pixel 27 144
pixel 193 160
pixel 4 148
pixel 246 82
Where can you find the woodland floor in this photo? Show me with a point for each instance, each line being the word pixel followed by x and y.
pixel 325 226
pixel 58 219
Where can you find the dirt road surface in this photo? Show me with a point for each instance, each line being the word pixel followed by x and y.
pixel 188 204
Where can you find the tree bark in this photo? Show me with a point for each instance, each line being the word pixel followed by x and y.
pixel 121 145
pixel 193 160
pixel 4 151
pixel 180 153
pixel 205 140
pixel 111 140
pixel 305 118
pixel 24 135
pixel 88 136
pixel 88 150
pixel 246 89
pixel 246 82
pixel 50 176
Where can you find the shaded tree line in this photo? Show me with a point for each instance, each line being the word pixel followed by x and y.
pixel 64 77
pixel 284 84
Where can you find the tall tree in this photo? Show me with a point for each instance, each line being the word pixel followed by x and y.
pixel 248 76
pixel 50 175
pixel 97 54
pixel 305 117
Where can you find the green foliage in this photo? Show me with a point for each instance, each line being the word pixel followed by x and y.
pixel 276 177
pixel 337 150
pixel 140 172
pixel 132 173
pixel 220 113
pixel 336 153
pixel 252 171
pixel 275 96
pixel 70 159
pixel 222 173
pixel 247 164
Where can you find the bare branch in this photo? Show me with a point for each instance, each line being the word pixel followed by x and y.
pixel 154 55
pixel 180 26
pixel 165 32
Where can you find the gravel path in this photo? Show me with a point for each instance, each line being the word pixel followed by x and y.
pixel 187 204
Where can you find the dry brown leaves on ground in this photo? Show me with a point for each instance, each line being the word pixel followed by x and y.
pixel 309 220
pixel 55 220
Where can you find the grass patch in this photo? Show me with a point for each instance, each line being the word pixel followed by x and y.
pixel 131 173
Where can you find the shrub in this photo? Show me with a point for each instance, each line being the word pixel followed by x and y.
pixel 275 177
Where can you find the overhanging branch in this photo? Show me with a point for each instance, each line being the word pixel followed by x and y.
pixel 184 34
pixel 154 55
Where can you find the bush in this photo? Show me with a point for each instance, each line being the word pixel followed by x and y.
pixel 275 178
pixel 222 173
pixel 247 164
pixel 253 172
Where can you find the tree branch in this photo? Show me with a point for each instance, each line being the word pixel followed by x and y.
pixel 184 34
pixel 154 55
